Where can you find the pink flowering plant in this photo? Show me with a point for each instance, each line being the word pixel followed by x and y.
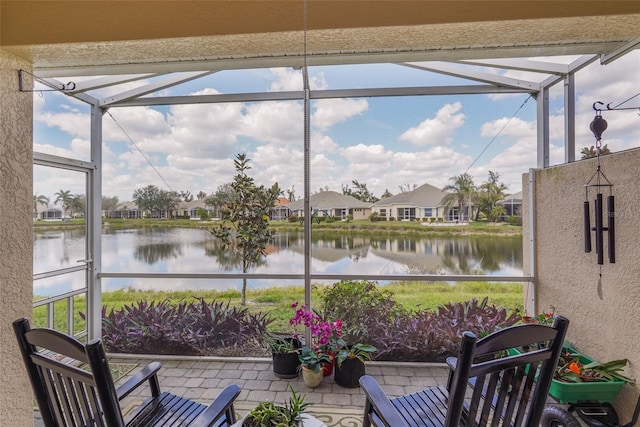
pixel 326 336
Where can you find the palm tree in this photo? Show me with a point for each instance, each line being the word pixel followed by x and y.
pixel 39 200
pixel 77 204
pixel 491 192
pixel 460 191
pixel 65 199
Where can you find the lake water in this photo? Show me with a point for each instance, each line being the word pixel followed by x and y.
pixel 176 250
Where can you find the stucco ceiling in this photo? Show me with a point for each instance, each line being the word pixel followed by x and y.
pixel 103 37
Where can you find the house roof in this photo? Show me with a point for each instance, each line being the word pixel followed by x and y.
pixel 426 196
pixel 282 201
pixel 325 200
pixel 512 198
pixel 195 203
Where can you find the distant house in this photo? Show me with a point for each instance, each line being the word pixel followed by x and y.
pixel 333 204
pixel 512 204
pixel 281 210
pixel 126 210
pixel 421 204
pixel 51 214
pixel 193 209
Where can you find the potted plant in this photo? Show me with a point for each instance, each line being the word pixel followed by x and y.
pixel 350 364
pixel 267 413
pixel 544 318
pixel 311 362
pixel 284 351
pixel 325 336
pixel 579 378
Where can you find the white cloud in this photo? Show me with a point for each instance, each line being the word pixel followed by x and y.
pixel 139 123
pixel 369 154
pixel 438 130
pixel 277 123
pixel 323 144
pixel 329 112
pixel 286 79
pixel 506 127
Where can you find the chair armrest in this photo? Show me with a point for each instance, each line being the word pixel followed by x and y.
pixel 381 404
pixel 147 373
pixel 452 362
pixel 217 408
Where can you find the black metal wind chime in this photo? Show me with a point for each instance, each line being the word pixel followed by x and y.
pixel 597 182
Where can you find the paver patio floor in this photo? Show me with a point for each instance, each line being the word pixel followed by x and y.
pixel 201 379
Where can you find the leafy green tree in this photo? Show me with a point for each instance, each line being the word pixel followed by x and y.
pixel 291 194
pixel 489 194
pixel 147 198
pixel 359 191
pixel 223 195
pixel 201 195
pixel 386 194
pixel 170 200
pixel 245 229
pixel 461 191
pixel 109 203
pixel 202 214
pixel 186 196
pixel 406 187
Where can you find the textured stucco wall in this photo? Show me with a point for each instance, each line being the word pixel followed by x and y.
pixel 16 237
pixel 606 328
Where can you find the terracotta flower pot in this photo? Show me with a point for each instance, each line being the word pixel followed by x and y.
pixel 311 379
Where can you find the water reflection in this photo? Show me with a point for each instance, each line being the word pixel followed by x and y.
pixel 153 253
pixel 177 250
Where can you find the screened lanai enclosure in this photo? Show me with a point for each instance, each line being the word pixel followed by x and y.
pixel 129 104
pixel 318 94
pixel 174 116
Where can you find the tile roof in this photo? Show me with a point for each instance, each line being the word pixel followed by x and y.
pixel 424 196
pixel 329 200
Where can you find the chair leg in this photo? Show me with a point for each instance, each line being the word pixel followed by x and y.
pixel 231 415
pixel 366 422
pixel 154 385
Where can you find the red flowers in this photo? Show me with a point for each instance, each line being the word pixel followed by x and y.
pixel 573 367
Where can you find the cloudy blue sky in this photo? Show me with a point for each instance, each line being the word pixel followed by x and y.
pixel 385 143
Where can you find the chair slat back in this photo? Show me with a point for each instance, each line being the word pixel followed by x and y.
pixel 68 388
pixel 506 390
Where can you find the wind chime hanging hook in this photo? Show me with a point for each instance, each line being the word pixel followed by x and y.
pixel 599 124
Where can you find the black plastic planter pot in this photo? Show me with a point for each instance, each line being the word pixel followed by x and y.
pixel 349 373
pixel 285 365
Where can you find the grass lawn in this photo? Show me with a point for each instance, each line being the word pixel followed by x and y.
pixel 387 227
pixel 277 300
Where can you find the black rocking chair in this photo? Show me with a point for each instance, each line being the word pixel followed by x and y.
pixel 69 394
pixel 487 384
